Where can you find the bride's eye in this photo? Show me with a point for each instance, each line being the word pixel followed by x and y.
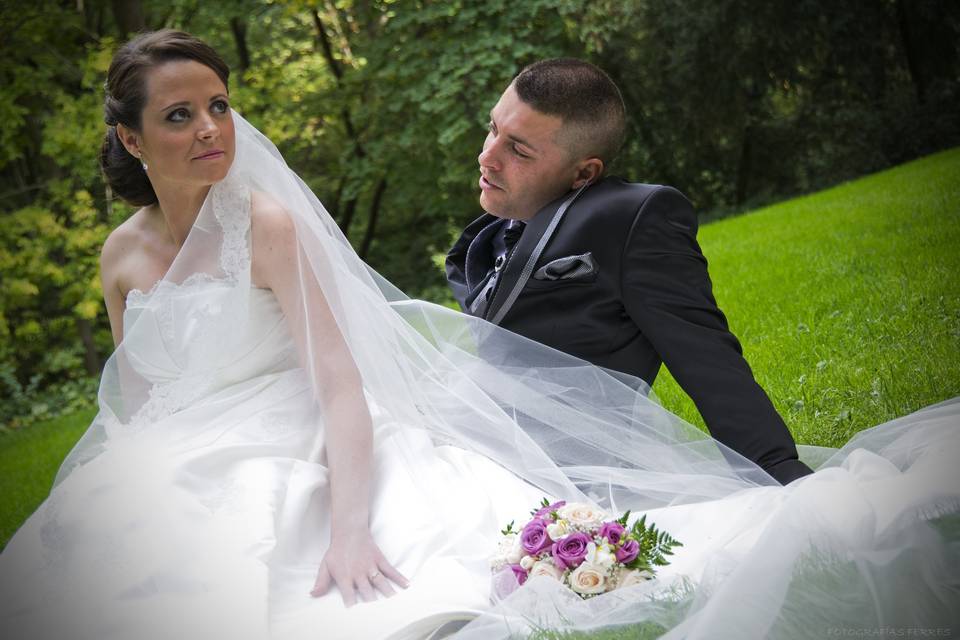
pixel 178 115
pixel 220 106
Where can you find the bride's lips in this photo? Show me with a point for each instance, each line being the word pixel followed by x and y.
pixel 487 185
pixel 213 154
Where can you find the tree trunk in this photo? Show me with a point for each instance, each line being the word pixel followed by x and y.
pixel 910 51
pixel 128 15
pixel 928 43
pixel 239 28
pixel 372 219
pixel 358 151
pixel 337 210
pixel 92 17
pixel 347 219
pixel 91 358
pixel 337 70
pixel 752 98
pixel 744 166
pixel 325 46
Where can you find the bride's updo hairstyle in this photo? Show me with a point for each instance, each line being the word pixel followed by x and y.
pixel 126 95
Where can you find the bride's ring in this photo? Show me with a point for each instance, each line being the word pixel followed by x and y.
pixel 374 575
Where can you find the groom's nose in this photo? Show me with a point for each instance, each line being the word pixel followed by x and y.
pixel 487 158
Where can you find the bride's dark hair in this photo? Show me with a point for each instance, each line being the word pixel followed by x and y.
pixel 126 95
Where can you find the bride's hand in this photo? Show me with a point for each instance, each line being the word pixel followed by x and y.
pixel 357 564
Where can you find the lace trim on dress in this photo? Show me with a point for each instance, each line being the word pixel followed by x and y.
pixel 167 398
pixel 231 208
pixel 138 298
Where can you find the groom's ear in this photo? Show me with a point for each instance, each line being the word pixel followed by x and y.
pixel 588 170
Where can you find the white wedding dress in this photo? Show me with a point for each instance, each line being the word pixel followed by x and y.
pixel 198 504
pixel 230 498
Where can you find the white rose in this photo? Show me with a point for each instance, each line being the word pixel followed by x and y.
pixel 506 543
pixel 516 550
pixel 508 551
pixel 600 555
pixel 558 530
pixel 630 577
pixel 588 579
pixel 582 514
pixel 527 561
pixel 545 568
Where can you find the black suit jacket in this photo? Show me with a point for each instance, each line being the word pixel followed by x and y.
pixel 636 295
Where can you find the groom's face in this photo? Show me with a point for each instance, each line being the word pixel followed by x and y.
pixel 522 166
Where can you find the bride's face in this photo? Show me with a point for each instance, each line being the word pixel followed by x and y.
pixel 187 131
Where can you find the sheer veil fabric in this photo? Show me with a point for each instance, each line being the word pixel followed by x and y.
pixel 871 540
pixel 460 380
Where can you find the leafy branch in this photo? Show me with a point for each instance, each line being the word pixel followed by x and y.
pixel 654 544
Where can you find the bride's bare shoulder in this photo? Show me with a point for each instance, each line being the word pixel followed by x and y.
pixel 266 211
pixel 125 239
pixel 272 237
pixel 270 222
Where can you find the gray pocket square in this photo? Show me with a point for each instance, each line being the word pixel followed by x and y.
pixel 568 268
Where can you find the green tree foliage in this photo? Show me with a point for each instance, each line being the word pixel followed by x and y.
pixel 55 211
pixel 421 80
pixel 381 105
pixel 738 102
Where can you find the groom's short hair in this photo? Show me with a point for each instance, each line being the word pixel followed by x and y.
pixel 584 97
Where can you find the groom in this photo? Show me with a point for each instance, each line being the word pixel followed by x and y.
pixel 603 269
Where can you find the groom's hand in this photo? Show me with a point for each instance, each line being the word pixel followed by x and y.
pixel 356 564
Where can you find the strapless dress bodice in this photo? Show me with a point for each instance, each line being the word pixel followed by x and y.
pixel 208 331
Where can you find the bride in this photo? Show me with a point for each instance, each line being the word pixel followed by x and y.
pixel 283 434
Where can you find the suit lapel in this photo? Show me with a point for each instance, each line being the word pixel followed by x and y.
pixel 528 244
pixel 479 258
pixel 460 270
pixel 536 235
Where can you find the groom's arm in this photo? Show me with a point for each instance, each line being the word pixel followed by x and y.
pixel 668 294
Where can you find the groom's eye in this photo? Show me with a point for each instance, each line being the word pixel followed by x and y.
pixel 519 153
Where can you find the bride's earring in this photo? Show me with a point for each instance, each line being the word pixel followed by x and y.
pixel 142 162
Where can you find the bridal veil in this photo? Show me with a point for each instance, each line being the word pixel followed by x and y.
pixel 871 540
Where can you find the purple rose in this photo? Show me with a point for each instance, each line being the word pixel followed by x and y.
pixel 519 573
pixel 628 551
pixel 569 552
pixel 612 531
pixel 534 538
pixel 546 511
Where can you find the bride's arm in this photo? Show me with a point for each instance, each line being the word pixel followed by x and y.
pixel 111 256
pixel 353 556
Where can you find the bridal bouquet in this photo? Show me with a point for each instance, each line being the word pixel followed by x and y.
pixel 582 547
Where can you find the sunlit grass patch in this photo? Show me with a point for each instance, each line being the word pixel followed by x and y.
pixel 847 301
pixel 29 459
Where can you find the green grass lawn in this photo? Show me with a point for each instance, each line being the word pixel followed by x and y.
pixel 29 458
pixel 847 303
